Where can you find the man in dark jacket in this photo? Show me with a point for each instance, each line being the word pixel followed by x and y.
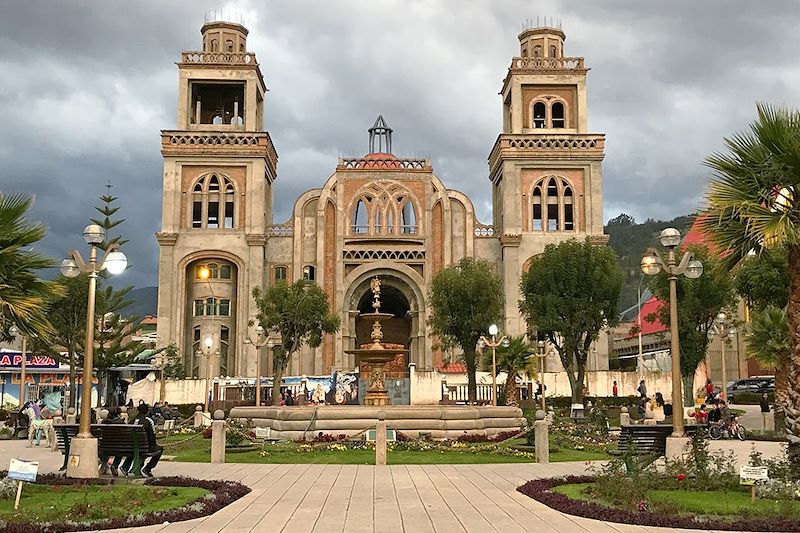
pixel 153 448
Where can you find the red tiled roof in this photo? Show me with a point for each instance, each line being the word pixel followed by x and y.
pixel 651 306
pixel 452 368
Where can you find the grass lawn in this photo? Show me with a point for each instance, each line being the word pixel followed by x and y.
pixel 42 503
pixel 198 450
pixel 715 502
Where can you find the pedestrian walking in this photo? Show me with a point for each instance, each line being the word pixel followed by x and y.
pixel 764 409
pixel 642 389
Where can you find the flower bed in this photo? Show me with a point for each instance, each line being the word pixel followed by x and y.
pixel 541 491
pixel 221 494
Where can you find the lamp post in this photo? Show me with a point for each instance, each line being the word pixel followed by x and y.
pixel 259 343
pixel 83 458
pixel 14 331
pixel 493 344
pixel 542 355
pixel 651 264
pixel 208 353
pixel 724 330
pixel 640 360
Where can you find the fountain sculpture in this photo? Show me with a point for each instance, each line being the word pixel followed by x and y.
pixel 376 354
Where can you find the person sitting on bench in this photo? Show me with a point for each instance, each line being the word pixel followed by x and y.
pixel 112 418
pixel 153 449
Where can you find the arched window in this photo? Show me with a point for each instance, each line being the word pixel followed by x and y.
pixel 360 221
pixel 553 50
pixel 229 46
pixel 552 205
pixel 281 273
pixel 537 209
pixel 213 203
pixel 537 51
pixel 569 217
pixel 390 221
pixel 408 218
pixel 539 117
pixel 214 46
pixel 557 117
pixel 241 47
pixel 309 273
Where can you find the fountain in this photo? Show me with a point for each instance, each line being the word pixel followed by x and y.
pixel 376 354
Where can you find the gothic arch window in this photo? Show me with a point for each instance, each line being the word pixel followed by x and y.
pixel 309 273
pixel 229 46
pixel 377 225
pixel 214 202
pixel 537 51
pixel 390 220
pixel 214 46
pixel 553 205
pixel 361 217
pixel 557 115
pixel 539 115
pixel 408 218
pixel 553 50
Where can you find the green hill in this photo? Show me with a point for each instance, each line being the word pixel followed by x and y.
pixel 630 241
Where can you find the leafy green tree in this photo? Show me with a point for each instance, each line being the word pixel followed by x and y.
pixel 23 295
pixel 569 294
pixel 518 357
pixel 754 202
pixel 113 343
pixel 67 314
pixel 465 299
pixel 173 364
pixel 300 313
pixel 699 302
pixel 763 279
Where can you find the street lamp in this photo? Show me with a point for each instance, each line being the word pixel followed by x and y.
pixel 83 457
pixel 652 263
pixel 724 330
pixel 259 343
pixel 493 344
pixel 208 353
pixel 14 331
pixel 542 355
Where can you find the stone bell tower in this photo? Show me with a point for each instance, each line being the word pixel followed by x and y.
pixel 545 166
pixel 219 167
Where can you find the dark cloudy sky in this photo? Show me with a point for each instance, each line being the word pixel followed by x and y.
pixel 86 86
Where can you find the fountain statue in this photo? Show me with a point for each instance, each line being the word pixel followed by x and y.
pixel 376 354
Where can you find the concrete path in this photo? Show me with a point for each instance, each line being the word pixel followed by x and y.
pixel 358 498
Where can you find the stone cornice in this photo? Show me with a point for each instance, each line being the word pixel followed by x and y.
pixel 256 239
pixel 510 239
pixel 166 239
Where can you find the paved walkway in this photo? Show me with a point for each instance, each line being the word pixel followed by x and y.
pixel 360 498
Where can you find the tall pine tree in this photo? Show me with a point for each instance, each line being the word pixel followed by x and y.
pixel 113 341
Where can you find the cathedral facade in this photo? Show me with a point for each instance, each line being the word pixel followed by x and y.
pixel 376 215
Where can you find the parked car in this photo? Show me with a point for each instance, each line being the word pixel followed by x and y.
pixel 755 385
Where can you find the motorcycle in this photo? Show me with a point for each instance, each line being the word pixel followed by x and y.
pixel 730 428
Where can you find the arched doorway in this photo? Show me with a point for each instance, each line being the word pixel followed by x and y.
pixel 396 330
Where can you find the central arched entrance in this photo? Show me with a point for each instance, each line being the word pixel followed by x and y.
pixel 396 330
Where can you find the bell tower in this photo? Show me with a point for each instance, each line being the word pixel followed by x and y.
pixel 545 167
pixel 219 168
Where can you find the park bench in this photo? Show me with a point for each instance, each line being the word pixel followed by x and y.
pixel 646 439
pixel 114 440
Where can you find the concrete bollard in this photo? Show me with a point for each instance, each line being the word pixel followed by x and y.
pixel 541 431
pixel 624 417
pixel 198 416
pixel 71 418
pixel 218 437
pixel 551 415
pixel 57 419
pixel 380 441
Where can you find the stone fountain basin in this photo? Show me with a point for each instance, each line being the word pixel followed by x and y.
pixel 440 421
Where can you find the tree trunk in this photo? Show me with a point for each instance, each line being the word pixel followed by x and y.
pixel 576 384
pixel 472 383
pixel 276 384
pixel 792 408
pixel 72 378
pixel 687 383
pixel 512 394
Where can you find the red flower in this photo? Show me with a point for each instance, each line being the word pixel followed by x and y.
pixel 681 477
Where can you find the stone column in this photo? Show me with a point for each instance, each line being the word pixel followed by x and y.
pixel 624 417
pixel 380 441
pixel 218 437
pixel 198 416
pixel 541 438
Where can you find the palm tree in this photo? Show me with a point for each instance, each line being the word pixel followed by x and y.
pixel 754 202
pixel 518 357
pixel 769 341
pixel 23 296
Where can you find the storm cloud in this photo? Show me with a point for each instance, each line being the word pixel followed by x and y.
pixel 86 87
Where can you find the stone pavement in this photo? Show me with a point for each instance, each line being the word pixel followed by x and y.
pixel 360 498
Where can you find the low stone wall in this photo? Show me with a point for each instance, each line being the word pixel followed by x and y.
pixel 441 422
